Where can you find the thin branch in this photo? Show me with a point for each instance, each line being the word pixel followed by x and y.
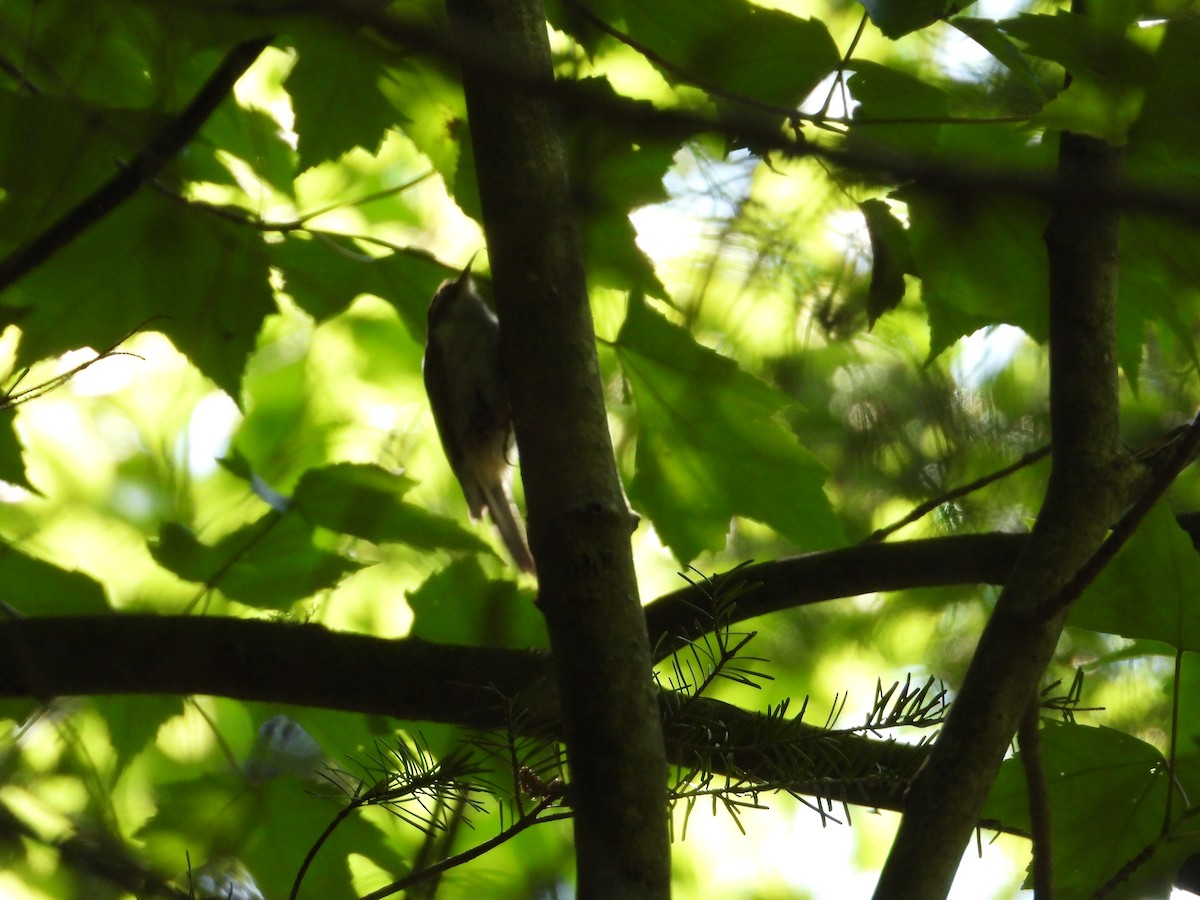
pixel 267 525
pixel 342 814
pixel 147 163
pixel 1175 457
pixel 11 397
pixel 363 201
pixel 249 219
pixel 839 80
pixel 408 776
pixel 533 817
pixel 789 114
pixel 1173 751
pixel 438 844
pixel 1029 740
pixel 928 120
pixel 241 216
pixel 1122 875
pixel 929 506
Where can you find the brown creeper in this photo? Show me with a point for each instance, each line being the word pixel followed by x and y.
pixel 468 394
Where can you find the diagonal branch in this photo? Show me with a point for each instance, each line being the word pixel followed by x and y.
pixel 1091 483
pixel 852 571
pixel 789 114
pixel 868 567
pixel 147 163
pixel 923 509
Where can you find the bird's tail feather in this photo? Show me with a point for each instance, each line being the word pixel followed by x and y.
pixel 504 515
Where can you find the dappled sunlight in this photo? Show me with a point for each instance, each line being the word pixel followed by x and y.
pixel 818 261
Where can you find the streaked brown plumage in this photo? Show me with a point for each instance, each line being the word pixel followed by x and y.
pixel 469 398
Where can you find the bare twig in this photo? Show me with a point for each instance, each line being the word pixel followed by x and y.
pixel 267 525
pixel 11 397
pixel 839 80
pixel 929 506
pixel 533 817
pixel 1177 456
pixel 789 114
pixel 150 160
pixel 1037 790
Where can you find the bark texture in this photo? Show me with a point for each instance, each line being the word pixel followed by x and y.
pixel 579 524
pixel 1091 482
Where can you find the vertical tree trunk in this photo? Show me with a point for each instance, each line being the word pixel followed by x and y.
pixel 579 525
pixel 1089 486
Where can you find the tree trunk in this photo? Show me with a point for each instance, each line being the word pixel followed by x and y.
pixel 579 524
pixel 1090 484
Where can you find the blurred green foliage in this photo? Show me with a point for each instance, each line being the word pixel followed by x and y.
pixel 796 352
